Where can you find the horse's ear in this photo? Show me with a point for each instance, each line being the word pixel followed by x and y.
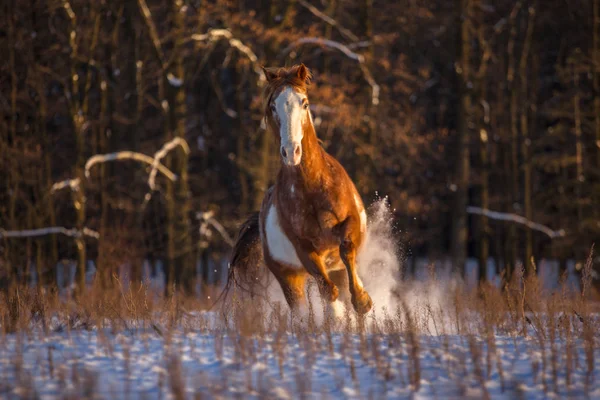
pixel 270 73
pixel 304 74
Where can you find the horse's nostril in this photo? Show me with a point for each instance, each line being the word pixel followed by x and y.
pixel 297 150
pixel 283 152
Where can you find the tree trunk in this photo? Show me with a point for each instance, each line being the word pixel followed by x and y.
pixel 77 119
pixel 13 180
pixel 578 143
pixel 459 223
pixel 169 265
pixel 330 11
pixel 514 149
pixel 104 266
pixel 181 241
pixel 132 131
pixel 485 198
pixel 484 132
pixel 596 83
pixel 526 140
pixel 47 250
pixel 596 91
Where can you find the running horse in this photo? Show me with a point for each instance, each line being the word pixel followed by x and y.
pixel 312 220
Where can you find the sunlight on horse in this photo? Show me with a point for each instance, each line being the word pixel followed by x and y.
pixel 312 220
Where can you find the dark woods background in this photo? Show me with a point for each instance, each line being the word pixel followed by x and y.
pixel 481 103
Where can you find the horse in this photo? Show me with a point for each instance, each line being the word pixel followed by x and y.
pixel 312 220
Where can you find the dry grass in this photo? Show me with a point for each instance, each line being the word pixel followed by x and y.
pixel 557 331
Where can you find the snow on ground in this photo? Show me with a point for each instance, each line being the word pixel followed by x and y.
pixel 340 365
pixel 200 358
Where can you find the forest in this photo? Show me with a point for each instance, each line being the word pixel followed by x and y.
pixel 131 130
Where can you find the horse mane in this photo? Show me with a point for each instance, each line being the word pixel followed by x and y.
pixel 278 77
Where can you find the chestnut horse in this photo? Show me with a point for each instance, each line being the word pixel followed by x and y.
pixel 312 220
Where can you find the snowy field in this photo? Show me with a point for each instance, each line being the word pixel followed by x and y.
pixel 431 338
pixel 189 363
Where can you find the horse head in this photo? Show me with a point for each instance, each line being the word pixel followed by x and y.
pixel 286 109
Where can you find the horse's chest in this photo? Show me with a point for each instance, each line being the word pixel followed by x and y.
pixel 312 220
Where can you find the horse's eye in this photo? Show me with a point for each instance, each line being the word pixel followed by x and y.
pixel 273 108
pixel 306 106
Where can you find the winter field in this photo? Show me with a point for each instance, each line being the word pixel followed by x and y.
pixel 434 338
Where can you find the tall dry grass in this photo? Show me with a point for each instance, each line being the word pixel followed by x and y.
pixel 555 326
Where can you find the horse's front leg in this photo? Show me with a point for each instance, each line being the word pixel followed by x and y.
pixel 361 301
pixel 316 267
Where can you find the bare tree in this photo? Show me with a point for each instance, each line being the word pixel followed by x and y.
pixel 460 230
pixel 525 137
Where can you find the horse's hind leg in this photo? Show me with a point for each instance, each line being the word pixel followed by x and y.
pixel 361 301
pixel 292 284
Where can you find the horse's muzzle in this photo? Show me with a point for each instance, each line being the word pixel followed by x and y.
pixel 291 154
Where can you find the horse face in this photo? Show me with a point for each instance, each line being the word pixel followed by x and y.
pixel 290 112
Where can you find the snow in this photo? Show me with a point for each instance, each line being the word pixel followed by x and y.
pixel 411 346
pixel 336 365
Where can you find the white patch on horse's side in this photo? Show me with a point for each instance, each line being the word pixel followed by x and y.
pixel 279 246
pixel 363 213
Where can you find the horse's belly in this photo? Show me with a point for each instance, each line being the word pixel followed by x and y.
pixel 332 260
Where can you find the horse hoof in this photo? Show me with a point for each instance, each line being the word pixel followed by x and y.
pixel 329 291
pixel 362 303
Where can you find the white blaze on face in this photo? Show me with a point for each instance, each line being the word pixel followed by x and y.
pixel 279 246
pixel 291 114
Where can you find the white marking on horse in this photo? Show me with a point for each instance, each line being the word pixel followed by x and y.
pixel 363 213
pixel 290 110
pixel 359 282
pixel 279 246
pixel 363 221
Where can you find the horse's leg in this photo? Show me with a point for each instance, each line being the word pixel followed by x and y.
pixel 315 266
pixel 361 301
pixel 340 279
pixel 292 284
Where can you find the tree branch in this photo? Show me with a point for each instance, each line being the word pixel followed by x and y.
pixel 127 155
pixel 208 217
pixel 345 32
pixel 215 35
pixel 27 233
pixel 73 184
pixel 517 219
pixel 347 52
pixel 153 32
pixel 159 155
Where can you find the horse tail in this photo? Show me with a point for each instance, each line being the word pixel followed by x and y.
pixel 247 250
pixel 246 258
